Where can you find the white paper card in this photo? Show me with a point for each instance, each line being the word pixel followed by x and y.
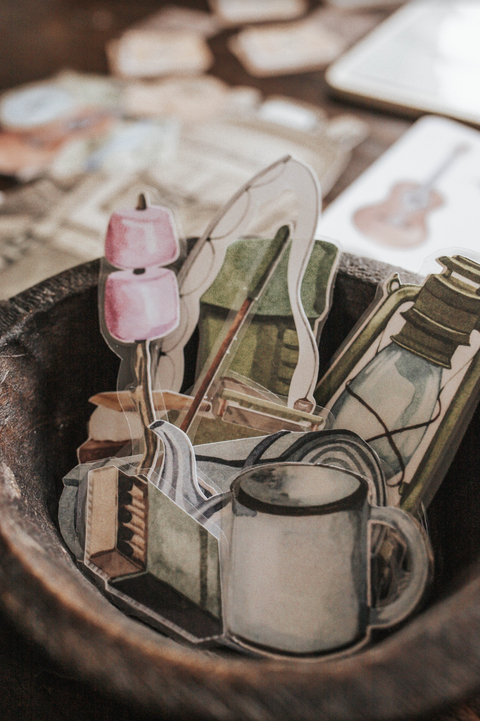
pixel 420 197
pixel 424 57
pixel 191 99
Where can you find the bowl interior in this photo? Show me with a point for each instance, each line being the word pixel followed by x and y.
pixel 53 359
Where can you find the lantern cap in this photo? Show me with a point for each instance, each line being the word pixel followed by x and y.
pixel 445 312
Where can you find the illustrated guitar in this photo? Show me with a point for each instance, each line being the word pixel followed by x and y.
pixel 400 221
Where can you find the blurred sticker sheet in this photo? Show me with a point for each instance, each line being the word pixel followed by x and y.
pixel 60 220
pixel 39 119
pixel 189 99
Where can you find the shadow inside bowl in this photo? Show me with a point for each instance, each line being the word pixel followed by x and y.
pixel 53 358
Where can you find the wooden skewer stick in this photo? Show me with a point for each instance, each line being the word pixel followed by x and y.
pixel 143 390
pixel 142 202
pixel 213 371
pixel 144 402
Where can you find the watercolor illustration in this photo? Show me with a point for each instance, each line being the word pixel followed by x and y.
pixel 401 220
pixel 408 378
pixel 204 511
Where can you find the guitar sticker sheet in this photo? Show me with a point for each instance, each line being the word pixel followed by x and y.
pixel 421 197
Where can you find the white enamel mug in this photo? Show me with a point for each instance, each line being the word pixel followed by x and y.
pixel 298 580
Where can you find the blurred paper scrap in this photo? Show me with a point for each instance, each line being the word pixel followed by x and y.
pixel 364 4
pixel 189 99
pixel 286 48
pixel 237 12
pixel 300 46
pixel 39 119
pixel 59 99
pixel 152 53
pixel 23 157
pixel 59 221
pixel 173 17
pixel 131 145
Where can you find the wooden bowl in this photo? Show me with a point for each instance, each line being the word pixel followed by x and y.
pixel 53 359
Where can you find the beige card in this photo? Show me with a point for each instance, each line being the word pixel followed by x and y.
pixel 237 12
pixel 173 17
pixel 152 53
pixel 286 48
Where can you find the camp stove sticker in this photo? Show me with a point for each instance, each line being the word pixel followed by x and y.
pixel 262 542
pixel 408 378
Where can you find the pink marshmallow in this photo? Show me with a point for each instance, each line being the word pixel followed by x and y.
pixel 141 238
pixel 141 306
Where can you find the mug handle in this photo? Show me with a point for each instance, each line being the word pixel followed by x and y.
pixel 421 559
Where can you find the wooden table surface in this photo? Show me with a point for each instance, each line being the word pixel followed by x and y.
pixel 39 38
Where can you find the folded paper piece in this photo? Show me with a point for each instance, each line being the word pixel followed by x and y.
pixel 192 99
pixel 306 44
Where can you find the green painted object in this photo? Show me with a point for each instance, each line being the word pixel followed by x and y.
pixel 186 557
pixel 268 352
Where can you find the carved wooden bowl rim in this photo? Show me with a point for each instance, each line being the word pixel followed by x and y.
pixel 432 661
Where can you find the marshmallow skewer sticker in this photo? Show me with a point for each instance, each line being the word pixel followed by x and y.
pixel 141 298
